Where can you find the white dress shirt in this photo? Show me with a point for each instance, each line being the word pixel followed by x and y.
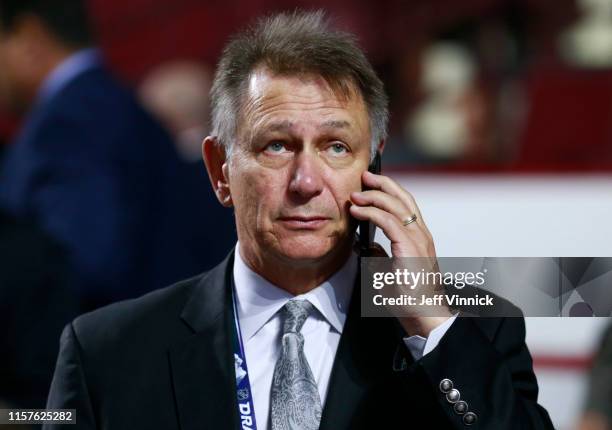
pixel 258 303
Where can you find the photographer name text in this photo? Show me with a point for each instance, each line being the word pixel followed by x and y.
pixel 433 300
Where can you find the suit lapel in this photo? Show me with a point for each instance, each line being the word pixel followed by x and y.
pixel 202 372
pixel 347 384
pixel 364 357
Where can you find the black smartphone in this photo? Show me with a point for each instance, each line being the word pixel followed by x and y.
pixel 367 230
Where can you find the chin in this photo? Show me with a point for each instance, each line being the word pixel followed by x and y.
pixel 307 247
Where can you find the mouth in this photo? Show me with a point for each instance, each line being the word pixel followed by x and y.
pixel 304 222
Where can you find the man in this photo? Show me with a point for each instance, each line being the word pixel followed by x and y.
pixel 272 337
pixel 96 172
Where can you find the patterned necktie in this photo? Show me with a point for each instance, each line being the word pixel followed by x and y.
pixel 295 402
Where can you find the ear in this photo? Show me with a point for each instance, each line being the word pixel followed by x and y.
pixel 381 146
pixel 217 167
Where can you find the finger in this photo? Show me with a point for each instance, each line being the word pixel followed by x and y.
pixel 390 225
pixel 392 205
pixel 383 201
pixel 389 186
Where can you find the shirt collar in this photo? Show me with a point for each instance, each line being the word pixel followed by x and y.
pixel 67 70
pixel 257 300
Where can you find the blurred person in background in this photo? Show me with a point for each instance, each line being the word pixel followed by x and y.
pixel 35 303
pixel 598 410
pixel 5 129
pixel 448 123
pixel 96 171
pixel 176 92
pixel 587 43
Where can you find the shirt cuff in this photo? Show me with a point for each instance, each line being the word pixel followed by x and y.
pixel 420 346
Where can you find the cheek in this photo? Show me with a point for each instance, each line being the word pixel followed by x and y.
pixel 342 189
pixel 4 70
pixel 256 193
pixel 12 60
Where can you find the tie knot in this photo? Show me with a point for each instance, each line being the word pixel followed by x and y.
pixel 296 312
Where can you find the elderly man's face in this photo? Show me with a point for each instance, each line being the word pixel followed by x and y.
pixel 300 152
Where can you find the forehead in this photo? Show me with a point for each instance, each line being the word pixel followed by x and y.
pixel 270 95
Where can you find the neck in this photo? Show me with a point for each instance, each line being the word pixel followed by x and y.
pixel 296 276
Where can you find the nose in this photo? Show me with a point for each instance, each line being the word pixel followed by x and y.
pixel 306 177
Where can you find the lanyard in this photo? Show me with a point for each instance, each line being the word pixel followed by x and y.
pixel 244 395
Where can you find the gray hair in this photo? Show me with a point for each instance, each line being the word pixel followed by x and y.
pixel 295 44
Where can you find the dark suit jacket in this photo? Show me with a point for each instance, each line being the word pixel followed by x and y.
pixel 35 304
pixel 102 177
pixel 164 361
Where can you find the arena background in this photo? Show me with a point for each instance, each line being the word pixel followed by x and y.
pixel 500 125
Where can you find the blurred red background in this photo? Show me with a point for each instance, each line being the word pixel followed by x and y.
pixel 527 108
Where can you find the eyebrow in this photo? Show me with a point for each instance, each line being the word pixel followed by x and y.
pixel 336 124
pixel 280 126
pixel 287 125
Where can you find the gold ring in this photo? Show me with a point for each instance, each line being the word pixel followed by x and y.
pixel 410 220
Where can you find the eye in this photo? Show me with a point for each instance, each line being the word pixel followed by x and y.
pixel 275 147
pixel 338 149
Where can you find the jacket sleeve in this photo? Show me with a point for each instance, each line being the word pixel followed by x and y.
pixel 487 361
pixel 69 387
